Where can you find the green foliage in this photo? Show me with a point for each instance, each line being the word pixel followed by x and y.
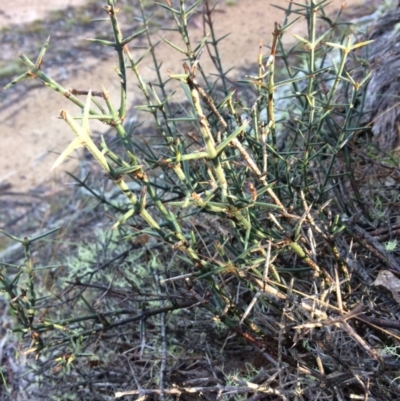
pixel 391 245
pixel 10 69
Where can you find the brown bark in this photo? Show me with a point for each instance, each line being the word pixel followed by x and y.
pixel 383 91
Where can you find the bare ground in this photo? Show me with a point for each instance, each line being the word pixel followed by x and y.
pixel 31 133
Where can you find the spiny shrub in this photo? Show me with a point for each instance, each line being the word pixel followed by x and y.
pixel 246 190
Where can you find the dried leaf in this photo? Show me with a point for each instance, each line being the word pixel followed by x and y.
pixel 388 280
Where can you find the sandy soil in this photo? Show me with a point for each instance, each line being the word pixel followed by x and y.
pixel 31 135
pixel 24 11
